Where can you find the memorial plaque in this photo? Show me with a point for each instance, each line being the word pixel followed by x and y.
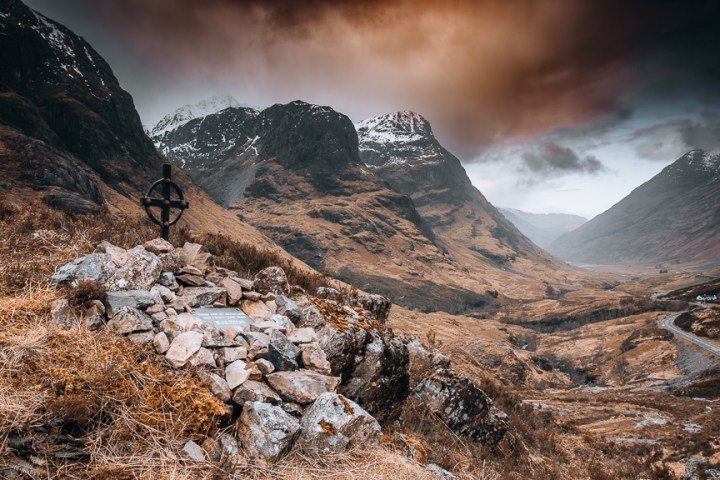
pixel 223 317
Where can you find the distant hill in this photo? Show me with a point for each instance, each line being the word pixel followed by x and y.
pixel 675 216
pixel 542 228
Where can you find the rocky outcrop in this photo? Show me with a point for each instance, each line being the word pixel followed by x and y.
pixel 322 372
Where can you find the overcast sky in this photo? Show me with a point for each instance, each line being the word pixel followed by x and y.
pixel 552 106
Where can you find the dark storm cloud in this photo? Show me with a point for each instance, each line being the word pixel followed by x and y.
pixel 548 158
pixel 482 71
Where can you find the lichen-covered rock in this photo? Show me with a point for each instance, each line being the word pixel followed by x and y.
pixel 62 313
pixel 380 380
pixel 302 335
pixel 311 317
pixel 140 272
pixel 343 348
pixel 463 407
pixel 98 267
pixel 272 280
pixel 158 246
pixel 329 294
pixel 266 431
pixel 423 362
pixel 129 320
pixel 302 386
pixel 334 424
pixel 254 391
pixel 378 305
pixel 183 347
pixel 288 307
pixel 200 296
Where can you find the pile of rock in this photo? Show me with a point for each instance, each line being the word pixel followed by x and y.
pixel 317 371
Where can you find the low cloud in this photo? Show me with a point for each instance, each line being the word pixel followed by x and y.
pixel 549 158
pixel 670 140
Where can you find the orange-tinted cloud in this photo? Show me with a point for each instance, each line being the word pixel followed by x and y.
pixel 479 70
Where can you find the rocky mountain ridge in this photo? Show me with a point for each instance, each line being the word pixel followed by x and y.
pixel 671 217
pixel 341 211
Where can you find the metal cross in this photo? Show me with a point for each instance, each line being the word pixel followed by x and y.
pixel 166 203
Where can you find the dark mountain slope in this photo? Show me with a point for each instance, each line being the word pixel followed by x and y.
pixel 70 134
pixel 673 216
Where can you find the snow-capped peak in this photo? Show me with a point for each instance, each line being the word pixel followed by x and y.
pixel 698 160
pixel 405 126
pixel 203 108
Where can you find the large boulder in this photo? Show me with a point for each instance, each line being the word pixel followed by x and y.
pixel 334 424
pixel 266 431
pixel 140 271
pixel 272 280
pixel 302 386
pixel 98 267
pixel 463 407
pixel 380 380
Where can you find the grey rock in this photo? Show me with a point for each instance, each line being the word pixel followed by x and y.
pixel 194 452
pixel 158 246
pixel 183 347
pixel 329 293
pixel 190 279
pixel 288 307
pixel 129 320
pixel 236 374
pixel 118 255
pixel 115 301
pixel 167 295
pixel 94 315
pixel 194 254
pixel 272 280
pixel 140 272
pixel 62 314
pixel 378 305
pixel 313 358
pixel 216 338
pixel 264 366
pixel 159 317
pixel 199 296
pixel 170 261
pixel 258 311
pixel 230 354
pixel 266 431
pixel 293 409
pixel 311 317
pixel 202 358
pixel 335 424
pixel 302 335
pixel 302 386
pixel 141 338
pixel 257 340
pixel 254 391
pixel 161 342
pixel 167 279
pixel 98 267
pixel 217 385
pixel 282 353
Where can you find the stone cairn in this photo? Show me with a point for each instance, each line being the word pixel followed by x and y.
pixel 319 371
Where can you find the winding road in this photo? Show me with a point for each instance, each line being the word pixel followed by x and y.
pixel 668 323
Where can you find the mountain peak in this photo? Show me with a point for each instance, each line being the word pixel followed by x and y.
pixel 404 126
pixel 184 114
pixel 698 161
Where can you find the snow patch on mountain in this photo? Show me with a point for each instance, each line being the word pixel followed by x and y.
pixel 203 108
pixel 699 161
